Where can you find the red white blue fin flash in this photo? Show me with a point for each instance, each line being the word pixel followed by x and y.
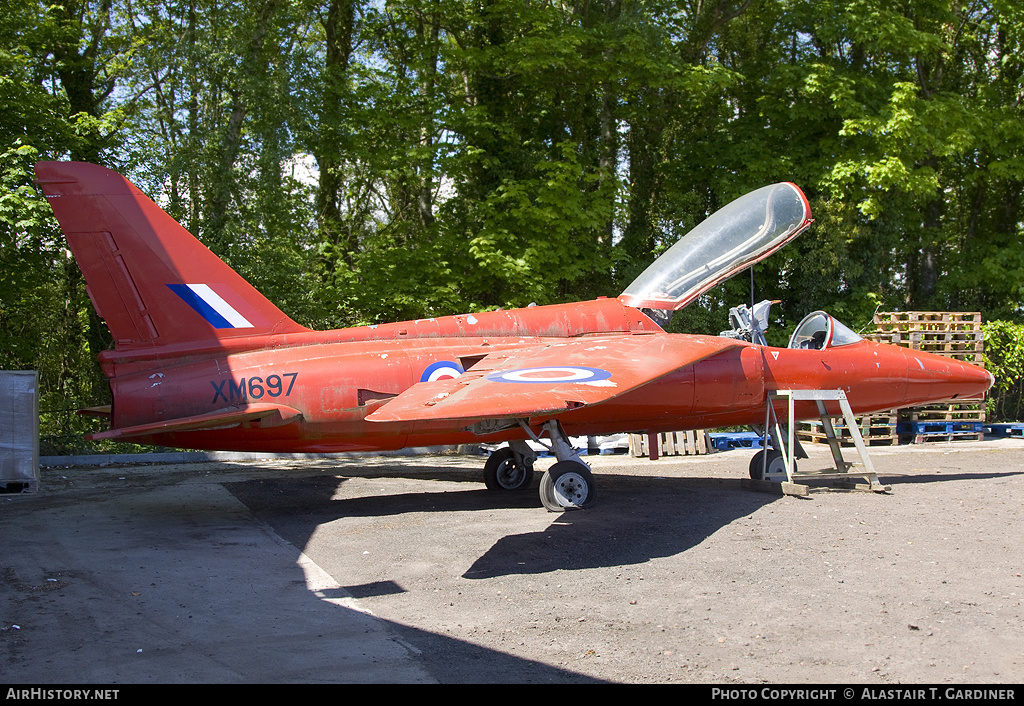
pixel 210 305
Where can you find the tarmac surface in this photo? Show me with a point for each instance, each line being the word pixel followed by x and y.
pixel 406 570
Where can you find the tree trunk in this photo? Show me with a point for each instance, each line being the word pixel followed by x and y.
pixel 328 151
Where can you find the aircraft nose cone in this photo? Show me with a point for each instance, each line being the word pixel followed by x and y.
pixel 979 377
pixel 934 377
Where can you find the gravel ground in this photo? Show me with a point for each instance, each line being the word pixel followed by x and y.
pixel 677 574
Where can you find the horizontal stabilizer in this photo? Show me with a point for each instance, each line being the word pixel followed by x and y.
pixel 550 378
pixel 268 415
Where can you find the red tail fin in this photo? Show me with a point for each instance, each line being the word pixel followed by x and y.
pixel 148 277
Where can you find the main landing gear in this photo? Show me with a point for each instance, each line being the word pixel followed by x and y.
pixel 567 485
pixel 510 468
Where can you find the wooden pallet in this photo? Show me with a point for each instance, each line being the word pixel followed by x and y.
pixel 876 429
pixel 937 320
pixel 954 334
pixel 934 438
pixel 674 443
pixel 952 420
pixel 1005 430
pixel 948 411
pixel 959 420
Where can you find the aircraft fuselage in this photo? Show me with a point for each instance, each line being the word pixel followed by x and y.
pixel 335 379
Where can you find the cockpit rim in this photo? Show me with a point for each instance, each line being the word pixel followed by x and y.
pixel 819 330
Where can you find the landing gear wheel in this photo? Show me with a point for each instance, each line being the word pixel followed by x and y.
pixel 567 485
pixel 776 466
pixel 503 472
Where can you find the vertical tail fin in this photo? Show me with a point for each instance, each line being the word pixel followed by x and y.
pixel 151 281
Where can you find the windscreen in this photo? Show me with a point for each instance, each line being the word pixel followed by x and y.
pixel 745 231
pixel 819 330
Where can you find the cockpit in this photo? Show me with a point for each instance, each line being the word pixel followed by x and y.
pixel 819 330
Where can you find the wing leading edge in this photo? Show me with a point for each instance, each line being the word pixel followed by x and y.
pixel 550 378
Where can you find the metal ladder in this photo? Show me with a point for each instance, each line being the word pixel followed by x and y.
pixel 784 441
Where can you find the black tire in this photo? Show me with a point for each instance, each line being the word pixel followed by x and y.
pixel 567 485
pixel 502 472
pixel 776 464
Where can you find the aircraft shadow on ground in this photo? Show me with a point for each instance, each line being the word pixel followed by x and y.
pixel 294 507
pixel 633 521
pixel 173 534
pixel 899 479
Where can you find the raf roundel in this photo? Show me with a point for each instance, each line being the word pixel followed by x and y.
pixel 441 370
pixel 551 374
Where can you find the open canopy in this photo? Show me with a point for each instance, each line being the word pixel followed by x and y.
pixel 747 230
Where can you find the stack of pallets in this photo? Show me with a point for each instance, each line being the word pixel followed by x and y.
pixel 878 429
pixel 956 335
pixel 953 420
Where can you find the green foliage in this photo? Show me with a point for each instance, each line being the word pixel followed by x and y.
pixel 1004 358
pixel 363 162
pixel 538 233
pixel 43 310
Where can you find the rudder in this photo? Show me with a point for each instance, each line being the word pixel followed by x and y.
pixel 150 279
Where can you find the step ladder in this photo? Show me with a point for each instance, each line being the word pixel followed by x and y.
pixel 846 473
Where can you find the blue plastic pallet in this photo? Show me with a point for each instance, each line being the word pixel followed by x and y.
pixel 1004 430
pixel 725 441
pixel 926 428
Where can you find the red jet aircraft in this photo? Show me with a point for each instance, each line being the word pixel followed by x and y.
pixel 202 360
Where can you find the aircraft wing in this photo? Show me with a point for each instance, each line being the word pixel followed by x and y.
pixel 551 377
